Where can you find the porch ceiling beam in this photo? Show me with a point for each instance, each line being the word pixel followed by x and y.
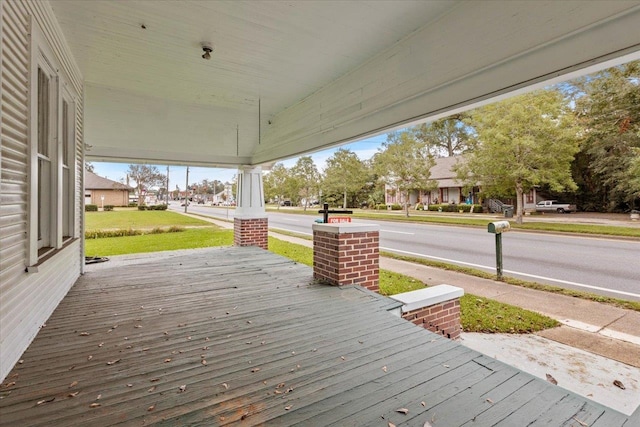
pixel 477 52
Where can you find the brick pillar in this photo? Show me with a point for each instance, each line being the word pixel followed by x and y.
pixel 250 232
pixel 435 308
pixel 347 254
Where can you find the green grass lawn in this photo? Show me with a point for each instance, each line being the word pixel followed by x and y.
pixel 188 239
pixel 135 219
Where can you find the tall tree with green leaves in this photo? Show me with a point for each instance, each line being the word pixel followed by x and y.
pixel 404 163
pixel 525 141
pixel 145 177
pixel 608 104
pixel 446 137
pixel 344 174
pixel 307 178
pixel 275 183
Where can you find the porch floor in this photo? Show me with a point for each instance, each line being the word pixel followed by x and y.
pixel 242 336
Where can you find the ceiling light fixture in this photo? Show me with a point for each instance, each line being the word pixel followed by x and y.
pixel 207 51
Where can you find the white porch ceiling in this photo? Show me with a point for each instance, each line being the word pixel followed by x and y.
pixel 289 77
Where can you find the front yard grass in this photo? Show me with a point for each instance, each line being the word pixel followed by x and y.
pixel 189 239
pixel 138 220
pixel 476 314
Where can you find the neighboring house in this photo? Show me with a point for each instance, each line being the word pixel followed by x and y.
pixel 103 191
pixel 449 189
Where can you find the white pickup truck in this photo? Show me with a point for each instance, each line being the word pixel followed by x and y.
pixel 554 206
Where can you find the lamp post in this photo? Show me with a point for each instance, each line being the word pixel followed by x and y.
pixel 102 199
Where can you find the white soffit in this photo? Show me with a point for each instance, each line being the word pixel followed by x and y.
pixel 321 72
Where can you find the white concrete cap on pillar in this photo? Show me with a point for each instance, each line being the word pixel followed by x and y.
pixel 250 193
pixel 340 228
pixel 427 297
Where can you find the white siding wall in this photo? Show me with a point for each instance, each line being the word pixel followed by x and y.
pixel 28 299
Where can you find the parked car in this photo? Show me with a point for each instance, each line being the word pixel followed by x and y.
pixel 554 206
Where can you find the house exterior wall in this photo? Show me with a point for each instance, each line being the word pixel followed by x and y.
pixel 111 197
pixel 29 292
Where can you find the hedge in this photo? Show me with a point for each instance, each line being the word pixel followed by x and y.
pixel 91 208
pixel 108 208
pixel 455 208
pixel 152 208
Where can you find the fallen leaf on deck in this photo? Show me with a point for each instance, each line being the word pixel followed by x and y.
pixel 226 386
pixel 151 389
pixel 384 368
pixel 286 408
pixel 343 358
pixel 73 384
pixel 129 385
pixel 113 362
pixel 129 346
pixel 619 384
pixel 20 362
pixel 249 321
pixel 446 366
pixel 206 339
pixel 145 349
pixel 426 424
pixel 12 383
pixel 167 360
pixel 51 399
pixel 98 397
pixel 403 411
pixel 582 423
pixel 390 424
pixel 182 388
pixel 423 403
pixel 153 380
pixel 74 394
pixel 552 380
pixel 94 405
pixel 255 369
pixel 151 408
pixel 84 334
pixel 489 400
pixel 204 362
pixel 101 344
pixel 205 348
pixel 277 392
pixel 138 326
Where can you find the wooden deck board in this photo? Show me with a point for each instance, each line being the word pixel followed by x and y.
pixel 259 321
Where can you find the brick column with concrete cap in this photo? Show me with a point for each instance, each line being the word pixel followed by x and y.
pixel 347 254
pixel 250 224
pixel 436 308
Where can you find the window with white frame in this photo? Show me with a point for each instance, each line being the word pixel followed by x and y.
pixel 52 171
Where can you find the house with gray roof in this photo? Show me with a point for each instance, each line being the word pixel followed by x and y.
pixel 103 191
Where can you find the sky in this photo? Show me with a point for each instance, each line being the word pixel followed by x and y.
pixel 365 149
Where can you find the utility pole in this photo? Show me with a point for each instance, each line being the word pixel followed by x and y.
pixel 167 184
pixel 186 192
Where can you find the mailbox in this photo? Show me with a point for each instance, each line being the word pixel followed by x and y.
pixel 499 227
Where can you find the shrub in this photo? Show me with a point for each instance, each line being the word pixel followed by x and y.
pixel 91 208
pixel 419 207
pixel 396 207
pixel 157 208
pixel 381 207
pixel 108 208
pixel 455 208
pixel 142 208
pixel 99 234
pixel 132 204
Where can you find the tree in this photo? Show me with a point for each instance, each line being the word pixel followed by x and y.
pixel 446 137
pixel 608 104
pixel 345 173
pixel 145 177
pixel 405 164
pixel 524 141
pixel 306 176
pixel 88 166
pixel 275 183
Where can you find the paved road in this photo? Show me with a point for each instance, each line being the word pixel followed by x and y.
pixel 601 265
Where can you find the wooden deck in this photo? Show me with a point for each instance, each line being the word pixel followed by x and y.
pixel 241 336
